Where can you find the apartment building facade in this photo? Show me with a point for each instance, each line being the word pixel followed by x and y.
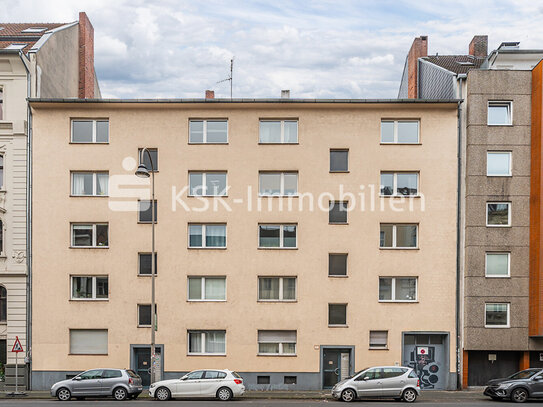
pixel 49 60
pixel 250 276
pixel 499 259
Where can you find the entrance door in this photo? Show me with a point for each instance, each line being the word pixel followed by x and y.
pixel 142 364
pixel 336 366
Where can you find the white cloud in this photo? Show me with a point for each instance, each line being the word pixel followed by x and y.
pixel 348 49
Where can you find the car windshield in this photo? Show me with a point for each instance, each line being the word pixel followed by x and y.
pixel 357 373
pixel 525 374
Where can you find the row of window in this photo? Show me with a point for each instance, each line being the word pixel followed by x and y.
pixel 279 236
pixel 213 288
pixel 271 183
pixel 210 342
pixel 215 131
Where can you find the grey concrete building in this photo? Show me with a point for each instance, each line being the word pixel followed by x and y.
pixel 494 263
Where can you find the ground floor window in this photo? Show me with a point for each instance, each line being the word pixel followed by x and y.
pixel 88 341
pixel 276 342
pixel 207 342
pixel 497 315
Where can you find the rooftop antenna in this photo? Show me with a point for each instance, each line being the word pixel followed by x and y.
pixel 230 77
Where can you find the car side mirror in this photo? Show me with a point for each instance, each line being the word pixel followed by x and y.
pixel 538 379
pixel 77 378
pixel 366 378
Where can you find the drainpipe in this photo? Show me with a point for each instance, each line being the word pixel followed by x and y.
pixel 28 232
pixel 461 78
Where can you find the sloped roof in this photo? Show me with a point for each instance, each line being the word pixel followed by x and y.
pixel 456 63
pixel 12 33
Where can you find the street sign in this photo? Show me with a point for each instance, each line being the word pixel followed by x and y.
pixel 17 347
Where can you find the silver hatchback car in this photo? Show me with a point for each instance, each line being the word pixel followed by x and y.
pixel 118 383
pixel 396 382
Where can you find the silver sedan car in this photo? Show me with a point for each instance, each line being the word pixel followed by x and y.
pixel 396 382
pixel 118 383
pixel 222 384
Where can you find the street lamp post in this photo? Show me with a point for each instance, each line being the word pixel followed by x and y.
pixel 143 172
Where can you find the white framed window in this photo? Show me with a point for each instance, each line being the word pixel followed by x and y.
pixel 89 287
pixel 207 235
pixel 278 183
pixel 497 315
pixel 500 113
pixel 206 288
pixel 90 183
pixel 88 341
pixel 498 214
pixel 378 339
pixel 400 131
pixel 210 183
pixel 399 183
pixel 398 289
pixel 278 131
pixel 498 163
pixel 206 342
pixel 277 236
pixel 276 343
pixel 276 288
pixel 497 264
pixel 210 131
pixel 398 236
pixel 90 131
pixel 90 235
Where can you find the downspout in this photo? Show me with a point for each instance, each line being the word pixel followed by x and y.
pixel 28 233
pixel 461 77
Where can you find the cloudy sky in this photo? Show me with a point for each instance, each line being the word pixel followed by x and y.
pixel 317 49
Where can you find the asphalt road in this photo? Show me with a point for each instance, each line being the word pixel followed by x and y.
pixel 253 403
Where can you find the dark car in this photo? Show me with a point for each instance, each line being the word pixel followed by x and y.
pixel 519 387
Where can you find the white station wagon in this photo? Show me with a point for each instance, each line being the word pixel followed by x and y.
pixel 222 384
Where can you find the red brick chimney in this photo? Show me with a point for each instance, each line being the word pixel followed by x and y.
pixel 86 57
pixel 478 47
pixel 210 94
pixel 418 50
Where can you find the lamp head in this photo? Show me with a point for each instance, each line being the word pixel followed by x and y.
pixel 142 171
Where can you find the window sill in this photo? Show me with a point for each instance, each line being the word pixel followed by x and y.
pixel 377 348
pixel 89 142
pixel 339 172
pixel 277 248
pixel 497 326
pixel 279 196
pixel 3 322
pixel 89 299
pixel 399 301
pixel 88 196
pixel 207 144
pixel 207 354
pixel 206 300
pixel 88 354
pixel 207 196
pixel 338 276
pixel 278 144
pixel 88 247
pixel 500 125
pixel 147 275
pixel 144 326
pixel 337 326
pixel 399 248
pixel 276 355
pixel 338 223
pixel 399 196
pixel 497 276
pixel 276 301
pixel 401 144
pixel 206 248
pixel 500 176
pixel 498 226
pixel 147 223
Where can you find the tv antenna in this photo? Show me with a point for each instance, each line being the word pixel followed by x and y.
pixel 230 77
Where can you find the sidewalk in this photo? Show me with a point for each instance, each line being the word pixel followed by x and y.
pixel 471 394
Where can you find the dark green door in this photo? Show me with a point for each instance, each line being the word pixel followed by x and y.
pixel 142 364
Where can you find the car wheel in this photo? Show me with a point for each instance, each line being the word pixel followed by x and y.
pixel 519 395
pixel 348 395
pixel 120 394
pixel 224 394
pixel 162 394
pixel 409 395
pixel 64 394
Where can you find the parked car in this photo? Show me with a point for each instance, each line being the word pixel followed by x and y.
pixel 519 387
pixel 396 382
pixel 118 383
pixel 222 384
